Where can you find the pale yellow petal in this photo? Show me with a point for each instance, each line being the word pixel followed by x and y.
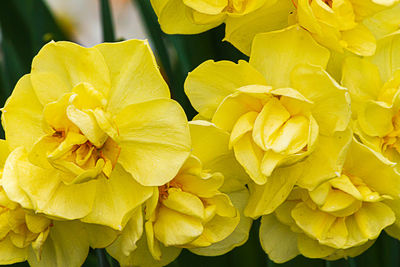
pixel 208 84
pixel 10 254
pixel 134 74
pixel 275 54
pixel 173 228
pixel 277 240
pixel 59 66
pixel 116 196
pixel 154 140
pixel 22 109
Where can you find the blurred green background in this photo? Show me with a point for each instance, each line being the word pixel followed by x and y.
pixel 26 25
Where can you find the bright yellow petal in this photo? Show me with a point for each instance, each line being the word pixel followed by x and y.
pixel 239 235
pixel 275 54
pixel 173 228
pixel 359 40
pixel 208 84
pixel 240 31
pixel 364 163
pixel 326 161
pixel 384 22
pixel 59 66
pixel 387 56
pixel 277 240
pixel 45 189
pixel 180 22
pixel 10 254
pixel 264 199
pixel 331 107
pixel 312 249
pixel 184 202
pixel 154 140
pixel 134 73
pixel 250 156
pixel 362 78
pixel 116 196
pixel 22 109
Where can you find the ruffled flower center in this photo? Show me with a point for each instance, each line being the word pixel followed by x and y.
pixel 76 142
pixel 392 140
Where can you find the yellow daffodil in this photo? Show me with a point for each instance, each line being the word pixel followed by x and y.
pixel 195 16
pixel 99 128
pixel 374 86
pixel 341 217
pixel 190 211
pixel 279 110
pixel 336 24
pixel 27 235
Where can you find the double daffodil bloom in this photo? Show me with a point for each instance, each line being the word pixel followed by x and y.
pixel 27 235
pixel 99 130
pixel 190 211
pixel 195 16
pixel 374 86
pixel 341 217
pixel 336 24
pixel 279 109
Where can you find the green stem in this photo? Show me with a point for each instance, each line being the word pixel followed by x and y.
pixel 101 258
pixel 352 262
pixel 107 21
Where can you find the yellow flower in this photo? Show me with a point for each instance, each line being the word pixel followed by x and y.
pixel 190 211
pixel 374 86
pixel 341 217
pixel 195 16
pixel 27 235
pixel 336 24
pixel 279 109
pixel 99 128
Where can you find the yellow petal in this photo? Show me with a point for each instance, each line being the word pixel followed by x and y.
pixel 244 124
pixel 223 205
pixel 359 40
pixel 10 254
pixel 22 108
pixel 312 249
pixel 184 202
pixel 45 189
pixel 173 228
pixel 240 31
pixel 207 6
pixel 238 237
pixel 134 74
pixel 99 236
pixel 250 156
pixel 326 161
pixel 65 65
pixel 264 199
pixel 141 255
pixel 67 245
pixel 387 55
pixel 277 240
pixel 154 140
pixel 117 197
pixel 275 54
pixel 331 107
pixel 36 224
pixel 181 21
pixel 366 164
pixel 208 84
pixel 362 78
pixel 372 218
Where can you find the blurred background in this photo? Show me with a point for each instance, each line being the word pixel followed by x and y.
pixel 26 25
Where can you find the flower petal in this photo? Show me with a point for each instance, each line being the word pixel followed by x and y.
pixel 275 54
pixel 134 73
pixel 154 140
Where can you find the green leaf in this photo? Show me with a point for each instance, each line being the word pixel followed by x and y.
pixel 107 21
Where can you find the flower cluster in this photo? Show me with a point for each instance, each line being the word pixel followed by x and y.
pixel 97 155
